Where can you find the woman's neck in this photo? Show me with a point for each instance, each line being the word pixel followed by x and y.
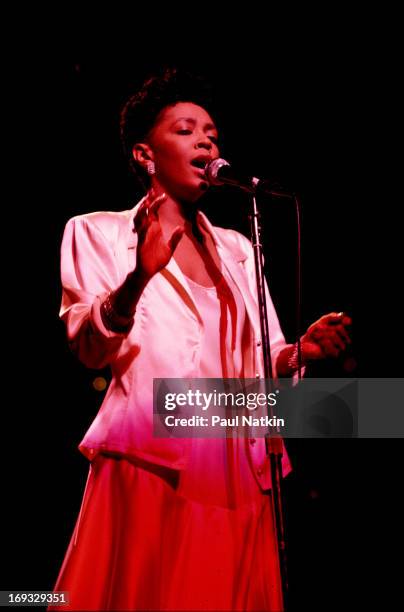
pixel 173 213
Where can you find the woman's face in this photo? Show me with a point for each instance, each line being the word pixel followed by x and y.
pixel 182 141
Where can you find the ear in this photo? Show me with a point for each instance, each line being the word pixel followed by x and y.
pixel 142 153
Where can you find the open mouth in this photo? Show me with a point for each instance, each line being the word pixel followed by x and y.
pixel 200 162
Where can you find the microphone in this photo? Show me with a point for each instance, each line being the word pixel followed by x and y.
pixel 220 172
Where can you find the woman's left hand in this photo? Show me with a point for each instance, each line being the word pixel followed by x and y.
pixel 327 337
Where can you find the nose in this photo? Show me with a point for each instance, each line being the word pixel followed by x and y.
pixel 203 142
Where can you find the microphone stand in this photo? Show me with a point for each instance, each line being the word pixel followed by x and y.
pixel 273 440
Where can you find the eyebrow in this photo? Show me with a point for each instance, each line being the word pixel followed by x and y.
pixel 207 126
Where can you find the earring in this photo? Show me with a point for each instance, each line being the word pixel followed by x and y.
pixel 151 168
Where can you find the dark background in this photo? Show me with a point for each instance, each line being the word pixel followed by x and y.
pixel 288 108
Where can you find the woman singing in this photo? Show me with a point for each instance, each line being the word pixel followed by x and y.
pixel 158 292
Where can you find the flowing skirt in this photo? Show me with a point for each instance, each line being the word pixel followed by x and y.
pixel 140 544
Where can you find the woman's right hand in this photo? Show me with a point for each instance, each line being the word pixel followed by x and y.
pixel 153 250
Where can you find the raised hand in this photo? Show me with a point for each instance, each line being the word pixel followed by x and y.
pixel 153 250
pixel 327 337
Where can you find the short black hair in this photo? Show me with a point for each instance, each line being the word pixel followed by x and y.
pixel 141 110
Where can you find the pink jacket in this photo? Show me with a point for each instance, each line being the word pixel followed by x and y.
pixel 98 251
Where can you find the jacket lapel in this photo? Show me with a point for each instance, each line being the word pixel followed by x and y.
pixel 232 257
pixel 172 273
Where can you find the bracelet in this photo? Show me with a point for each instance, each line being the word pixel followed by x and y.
pixel 293 361
pixel 112 320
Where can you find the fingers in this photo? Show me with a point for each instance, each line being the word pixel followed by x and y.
pixel 328 340
pixel 336 318
pixel 342 332
pixel 338 322
pixel 338 342
pixel 141 221
pixel 148 211
pixel 346 320
pixel 151 204
pixel 155 205
pixel 329 348
pixel 330 333
pixel 175 238
pixel 317 332
pixel 333 318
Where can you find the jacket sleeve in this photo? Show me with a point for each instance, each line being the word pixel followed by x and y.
pixel 88 272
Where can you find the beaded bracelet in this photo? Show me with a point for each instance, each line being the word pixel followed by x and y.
pixel 112 320
pixel 293 361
